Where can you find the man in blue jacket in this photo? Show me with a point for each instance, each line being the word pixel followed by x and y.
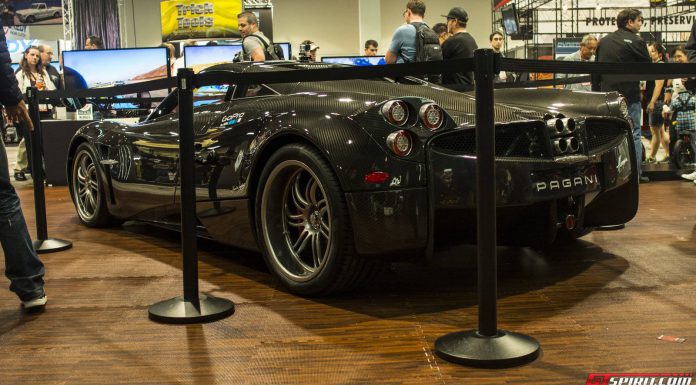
pixel 22 266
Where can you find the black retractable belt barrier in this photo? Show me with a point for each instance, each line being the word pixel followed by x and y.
pixel 42 244
pixel 192 307
pixel 487 346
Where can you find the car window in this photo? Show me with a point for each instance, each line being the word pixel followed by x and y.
pixel 201 96
pixel 256 90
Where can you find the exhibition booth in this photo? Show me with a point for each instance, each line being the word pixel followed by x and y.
pixel 335 172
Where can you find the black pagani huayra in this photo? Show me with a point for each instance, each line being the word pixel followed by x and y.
pixel 332 180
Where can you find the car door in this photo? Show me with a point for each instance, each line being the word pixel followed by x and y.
pixel 222 165
pixel 143 166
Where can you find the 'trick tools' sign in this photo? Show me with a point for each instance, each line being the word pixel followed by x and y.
pixel 199 19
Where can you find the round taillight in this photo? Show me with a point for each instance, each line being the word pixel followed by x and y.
pixel 431 115
pixel 395 112
pixel 400 142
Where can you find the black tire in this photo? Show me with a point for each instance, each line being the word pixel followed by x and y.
pixel 31 19
pixel 642 154
pixel 682 154
pixel 56 15
pixel 87 189
pixel 299 201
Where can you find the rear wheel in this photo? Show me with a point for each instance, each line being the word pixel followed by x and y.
pixel 303 225
pixel 87 189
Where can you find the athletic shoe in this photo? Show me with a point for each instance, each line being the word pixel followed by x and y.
pixel 691 176
pixel 35 304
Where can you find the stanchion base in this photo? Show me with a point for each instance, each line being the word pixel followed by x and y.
pixel 179 311
pixel 472 349
pixel 51 245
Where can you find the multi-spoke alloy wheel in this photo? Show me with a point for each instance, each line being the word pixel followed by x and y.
pixel 302 224
pixel 87 192
pixel 305 238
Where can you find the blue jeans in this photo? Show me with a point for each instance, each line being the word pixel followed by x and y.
pixel 636 113
pixel 22 266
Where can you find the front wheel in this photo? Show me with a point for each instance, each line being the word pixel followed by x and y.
pixel 303 226
pixel 87 189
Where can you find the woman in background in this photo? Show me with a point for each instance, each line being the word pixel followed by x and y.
pixel 32 73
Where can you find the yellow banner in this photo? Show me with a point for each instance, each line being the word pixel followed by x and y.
pixel 199 19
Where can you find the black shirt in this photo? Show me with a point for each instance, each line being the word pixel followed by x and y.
pixel 55 76
pixel 622 46
pixel 459 46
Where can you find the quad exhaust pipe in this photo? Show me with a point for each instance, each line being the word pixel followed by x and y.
pixel 566 145
pixel 560 126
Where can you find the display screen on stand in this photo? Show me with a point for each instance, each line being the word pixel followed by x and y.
pixel 355 60
pixel 106 68
pixel 287 51
pixel 199 57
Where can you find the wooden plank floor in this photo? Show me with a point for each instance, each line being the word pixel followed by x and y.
pixel 596 305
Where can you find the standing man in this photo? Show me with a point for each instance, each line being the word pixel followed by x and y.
pixel 496 39
pixel 586 53
pixel 625 46
pixel 22 266
pixel 254 43
pixel 403 45
pixel 46 54
pixel 371 48
pixel 459 45
pixel 94 42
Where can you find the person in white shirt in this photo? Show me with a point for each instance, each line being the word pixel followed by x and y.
pixel 31 72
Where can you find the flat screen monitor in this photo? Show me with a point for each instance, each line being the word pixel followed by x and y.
pixel 199 57
pixel 510 22
pixel 287 51
pixel 113 67
pixel 355 60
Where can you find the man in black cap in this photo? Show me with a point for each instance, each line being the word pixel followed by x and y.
pixel 459 45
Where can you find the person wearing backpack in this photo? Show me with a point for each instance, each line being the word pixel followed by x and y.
pixel 415 41
pixel 404 42
pixel 255 45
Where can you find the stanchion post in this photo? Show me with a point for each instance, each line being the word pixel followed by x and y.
pixel 596 79
pixel 192 307
pixel 487 346
pixel 42 244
